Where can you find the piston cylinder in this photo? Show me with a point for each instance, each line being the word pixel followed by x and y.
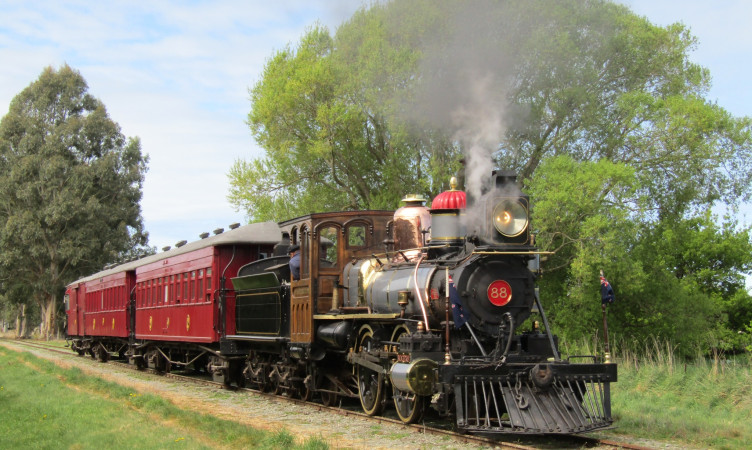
pixel 417 377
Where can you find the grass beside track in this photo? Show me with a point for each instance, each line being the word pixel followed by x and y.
pixel 45 406
pixel 703 404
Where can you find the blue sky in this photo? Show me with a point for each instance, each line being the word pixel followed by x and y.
pixel 176 74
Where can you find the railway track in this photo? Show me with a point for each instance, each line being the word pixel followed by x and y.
pixel 520 442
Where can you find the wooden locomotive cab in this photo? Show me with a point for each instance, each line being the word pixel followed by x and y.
pixel 328 241
pixel 272 307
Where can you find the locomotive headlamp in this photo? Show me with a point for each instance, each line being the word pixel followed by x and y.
pixel 510 218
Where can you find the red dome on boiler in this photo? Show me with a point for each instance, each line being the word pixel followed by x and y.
pixel 452 199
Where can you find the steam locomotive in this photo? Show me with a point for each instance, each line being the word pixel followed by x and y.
pixel 425 310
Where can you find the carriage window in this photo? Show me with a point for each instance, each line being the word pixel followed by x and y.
pixel 200 293
pixel 356 236
pixel 193 285
pixel 208 284
pixel 328 247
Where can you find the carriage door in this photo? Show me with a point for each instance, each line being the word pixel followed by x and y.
pixel 301 298
pixel 75 312
pixel 328 240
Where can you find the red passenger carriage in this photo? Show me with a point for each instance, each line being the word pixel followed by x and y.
pixel 170 308
pixel 99 318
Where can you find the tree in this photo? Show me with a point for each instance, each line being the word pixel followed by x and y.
pixel 679 280
pixel 70 186
pixel 328 145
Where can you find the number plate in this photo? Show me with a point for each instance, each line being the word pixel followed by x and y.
pixel 499 293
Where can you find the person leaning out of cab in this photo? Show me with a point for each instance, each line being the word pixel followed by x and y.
pixel 294 253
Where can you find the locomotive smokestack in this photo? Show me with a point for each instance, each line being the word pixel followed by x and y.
pixel 447 230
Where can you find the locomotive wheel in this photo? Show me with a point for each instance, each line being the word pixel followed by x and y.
pixel 257 372
pixel 370 383
pixel 306 389
pixel 329 398
pixel 409 406
pixel 397 334
pixel 276 381
pixel 306 394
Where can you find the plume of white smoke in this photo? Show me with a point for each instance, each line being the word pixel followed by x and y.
pixel 479 122
pixel 468 62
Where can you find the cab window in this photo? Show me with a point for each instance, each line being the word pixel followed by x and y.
pixel 328 239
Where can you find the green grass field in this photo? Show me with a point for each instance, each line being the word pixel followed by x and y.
pixel 706 403
pixel 43 406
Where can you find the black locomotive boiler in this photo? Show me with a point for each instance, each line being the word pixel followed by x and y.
pixel 419 310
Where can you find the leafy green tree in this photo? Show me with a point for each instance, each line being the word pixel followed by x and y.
pixel 70 186
pixel 328 144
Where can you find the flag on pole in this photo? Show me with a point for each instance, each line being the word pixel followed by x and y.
pixel 607 292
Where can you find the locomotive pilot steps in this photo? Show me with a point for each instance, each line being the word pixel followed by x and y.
pixel 424 311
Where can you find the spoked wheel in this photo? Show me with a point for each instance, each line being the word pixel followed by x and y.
pixel 306 389
pixel 292 386
pixel 329 398
pixel 276 381
pixel 257 372
pixel 370 382
pixel 265 386
pixel 409 406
